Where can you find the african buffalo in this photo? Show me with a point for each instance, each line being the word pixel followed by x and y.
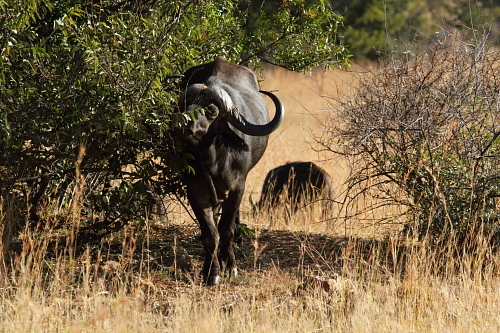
pixel 297 182
pixel 227 138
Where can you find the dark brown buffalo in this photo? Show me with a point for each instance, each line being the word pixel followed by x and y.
pixel 296 184
pixel 227 139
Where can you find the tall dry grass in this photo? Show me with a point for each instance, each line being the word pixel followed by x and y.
pixel 359 285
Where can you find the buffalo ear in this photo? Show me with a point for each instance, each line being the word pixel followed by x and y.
pixel 232 141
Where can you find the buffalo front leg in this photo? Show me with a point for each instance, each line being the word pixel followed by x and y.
pixel 211 267
pixel 227 223
pixel 204 212
pixel 210 240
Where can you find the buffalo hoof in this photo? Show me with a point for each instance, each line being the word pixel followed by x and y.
pixel 212 280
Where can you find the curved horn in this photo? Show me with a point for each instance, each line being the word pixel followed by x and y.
pixel 232 115
pixel 280 111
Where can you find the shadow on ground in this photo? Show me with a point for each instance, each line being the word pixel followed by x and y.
pixel 177 249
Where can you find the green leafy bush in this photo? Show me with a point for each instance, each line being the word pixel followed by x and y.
pixel 87 101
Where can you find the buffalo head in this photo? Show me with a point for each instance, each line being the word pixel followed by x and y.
pixel 213 103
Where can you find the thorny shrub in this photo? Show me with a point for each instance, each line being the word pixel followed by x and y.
pixel 422 133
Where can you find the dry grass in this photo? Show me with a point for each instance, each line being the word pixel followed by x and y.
pixel 305 107
pixel 291 281
pixel 305 111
